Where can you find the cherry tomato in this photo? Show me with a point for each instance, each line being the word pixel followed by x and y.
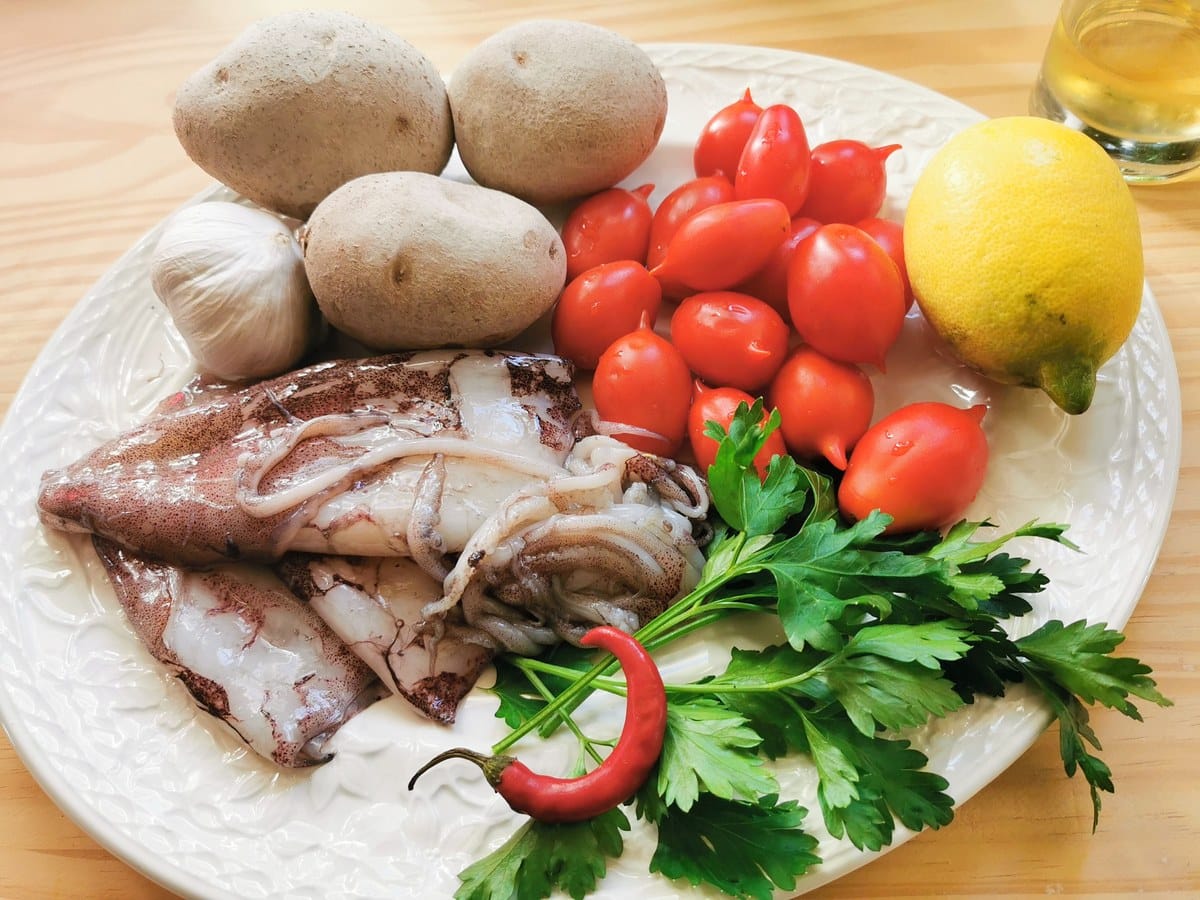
pixel 776 159
pixel 824 406
pixel 847 181
pixel 845 295
pixel 720 144
pixel 690 197
pixel 730 339
pixel 606 227
pixel 643 382
pixel 890 236
pixel 718 405
pixel 923 465
pixel 724 244
pixel 769 283
pixel 601 305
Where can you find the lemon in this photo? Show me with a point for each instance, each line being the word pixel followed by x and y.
pixel 1024 253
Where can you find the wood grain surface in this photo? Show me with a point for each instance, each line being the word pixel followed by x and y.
pixel 89 162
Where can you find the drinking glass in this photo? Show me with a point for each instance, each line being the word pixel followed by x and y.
pixel 1127 74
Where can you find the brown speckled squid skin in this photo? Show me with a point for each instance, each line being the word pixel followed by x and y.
pixel 185 617
pixel 431 508
pixel 169 487
pixel 375 606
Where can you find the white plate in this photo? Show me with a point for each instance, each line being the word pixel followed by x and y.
pixel 120 747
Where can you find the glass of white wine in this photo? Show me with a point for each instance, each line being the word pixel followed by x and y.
pixel 1127 74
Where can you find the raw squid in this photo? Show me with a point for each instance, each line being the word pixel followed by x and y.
pixel 433 508
pixel 375 606
pixel 329 459
pixel 607 541
pixel 247 649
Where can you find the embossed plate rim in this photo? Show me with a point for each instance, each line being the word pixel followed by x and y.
pixel 1022 721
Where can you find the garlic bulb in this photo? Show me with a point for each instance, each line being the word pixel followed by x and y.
pixel 233 280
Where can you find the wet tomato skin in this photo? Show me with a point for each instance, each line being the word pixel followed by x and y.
pixel 679 205
pixel 730 339
pixel 825 406
pixel 720 144
pixel 922 464
pixel 889 235
pixel 642 381
pixel 776 159
pixel 602 304
pixel 769 283
pixel 845 295
pixel 724 244
pixel 847 181
pixel 609 226
pixel 718 405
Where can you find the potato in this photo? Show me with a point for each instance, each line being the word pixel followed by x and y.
pixel 302 102
pixel 408 261
pixel 550 110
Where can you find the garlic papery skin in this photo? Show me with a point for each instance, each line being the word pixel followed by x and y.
pixel 232 278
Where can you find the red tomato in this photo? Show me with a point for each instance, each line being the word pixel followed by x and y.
pixel 690 197
pixel 845 295
pixel 724 244
pixel 922 465
pixel 718 405
pixel 642 382
pixel 847 181
pixel 824 406
pixel 769 283
pixel 890 236
pixel 601 305
pixel 606 227
pixel 776 159
pixel 720 144
pixel 730 339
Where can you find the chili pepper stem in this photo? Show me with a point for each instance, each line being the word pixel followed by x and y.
pixel 492 766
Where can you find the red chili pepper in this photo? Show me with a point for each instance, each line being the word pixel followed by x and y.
pixel 551 799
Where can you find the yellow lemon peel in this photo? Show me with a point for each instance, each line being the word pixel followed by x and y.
pixel 1024 252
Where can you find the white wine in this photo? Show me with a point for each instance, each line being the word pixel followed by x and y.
pixel 1130 71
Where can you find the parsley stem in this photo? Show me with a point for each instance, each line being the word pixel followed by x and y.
pixel 573 693
pixel 716 686
pixel 532 666
pixel 708 615
pixel 672 623
pixel 564 717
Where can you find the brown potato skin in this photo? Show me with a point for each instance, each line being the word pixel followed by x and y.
pixel 302 102
pixel 550 110
pixel 409 261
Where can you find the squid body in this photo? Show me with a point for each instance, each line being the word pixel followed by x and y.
pixel 426 510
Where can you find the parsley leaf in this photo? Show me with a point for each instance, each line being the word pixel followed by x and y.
pixel 709 747
pixel 928 644
pixel 744 849
pixel 838 775
pixel 883 632
pixel 1071 665
pixel 889 782
pixel 879 691
pixel 772 714
pixel 1074 734
pixel 518 701
pixel 541 858
pixel 757 506
pixel 1077 656
pixel 827 577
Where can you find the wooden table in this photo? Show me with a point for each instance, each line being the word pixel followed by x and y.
pixel 88 162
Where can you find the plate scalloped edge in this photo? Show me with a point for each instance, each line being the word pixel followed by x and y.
pixel 120 749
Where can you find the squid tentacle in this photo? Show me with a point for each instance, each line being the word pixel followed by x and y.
pixel 425 542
